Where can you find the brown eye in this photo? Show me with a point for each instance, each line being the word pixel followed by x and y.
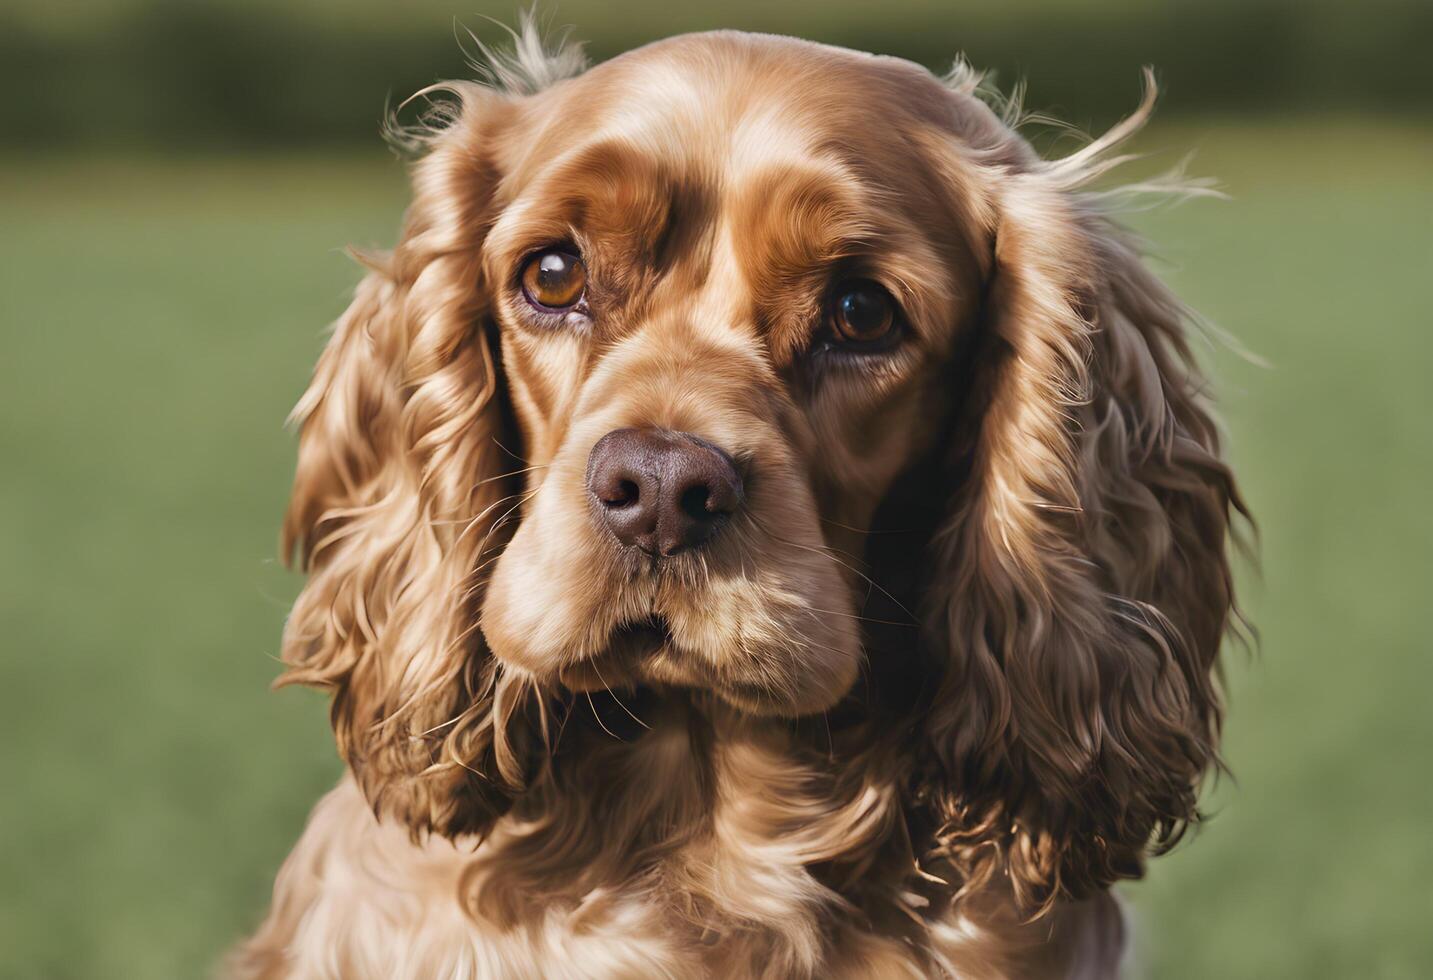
pixel 554 279
pixel 864 314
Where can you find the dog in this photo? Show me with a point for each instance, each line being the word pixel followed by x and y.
pixel 761 520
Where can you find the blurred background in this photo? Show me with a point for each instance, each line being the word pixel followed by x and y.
pixel 177 181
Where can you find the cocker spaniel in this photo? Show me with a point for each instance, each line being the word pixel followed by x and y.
pixel 762 520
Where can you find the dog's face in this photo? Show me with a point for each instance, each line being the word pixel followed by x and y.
pixel 726 300
pixel 658 343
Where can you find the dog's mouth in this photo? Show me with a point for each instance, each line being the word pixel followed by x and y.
pixel 631 646
pixel 643 653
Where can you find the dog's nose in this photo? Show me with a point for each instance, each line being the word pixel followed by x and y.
pixel 662 491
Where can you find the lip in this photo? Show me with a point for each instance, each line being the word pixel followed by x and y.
pixel 643 653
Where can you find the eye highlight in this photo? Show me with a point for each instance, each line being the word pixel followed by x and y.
pixel 863 315
pixel 554 279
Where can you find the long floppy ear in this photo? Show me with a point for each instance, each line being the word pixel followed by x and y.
pixel 398 502
pixel 1082 584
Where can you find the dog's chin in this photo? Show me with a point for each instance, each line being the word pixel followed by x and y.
pixel 622 663
pixel 643 654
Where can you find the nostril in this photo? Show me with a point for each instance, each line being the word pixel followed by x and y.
pixel 710 502
pixel 696 503
pixel 625 494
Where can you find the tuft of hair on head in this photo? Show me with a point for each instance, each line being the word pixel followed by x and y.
pixel 1094 157
pixel 964 78
pixel 536 58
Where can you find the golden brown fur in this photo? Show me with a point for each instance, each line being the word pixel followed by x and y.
pixel 944 680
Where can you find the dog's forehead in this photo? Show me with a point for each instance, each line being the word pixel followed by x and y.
pixel 725 104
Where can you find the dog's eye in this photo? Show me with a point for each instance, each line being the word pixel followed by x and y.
pixel 863 314
pixel 553 279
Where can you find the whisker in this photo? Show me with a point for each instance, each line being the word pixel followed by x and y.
pixel 511 473
pixel 617 699
pixel 523 498
pixel 516 456
pixel 556 742
pixel 831 553
pixel 864 619
pixel 475 520
pixel 865 531
pixel 588 694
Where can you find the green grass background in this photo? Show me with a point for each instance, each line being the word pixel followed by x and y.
pixel 159 317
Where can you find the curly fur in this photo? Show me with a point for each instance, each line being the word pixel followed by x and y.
pixel 1016 536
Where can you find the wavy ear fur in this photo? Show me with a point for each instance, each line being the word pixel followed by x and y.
pixel 1082 584
pixel 398 502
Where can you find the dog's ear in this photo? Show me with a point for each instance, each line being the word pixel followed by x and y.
pixel 1082 585
pixel 397 508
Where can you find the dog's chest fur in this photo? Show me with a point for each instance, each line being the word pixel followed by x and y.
pixel 682 860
